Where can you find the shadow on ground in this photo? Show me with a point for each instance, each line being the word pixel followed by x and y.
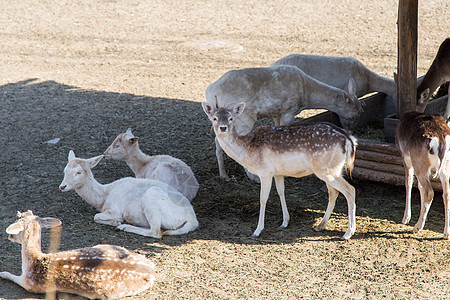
pixel 33 112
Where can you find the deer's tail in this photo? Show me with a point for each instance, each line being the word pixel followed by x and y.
pixel 350 151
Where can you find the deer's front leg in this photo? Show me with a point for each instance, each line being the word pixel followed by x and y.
pixel 446 198
pixel 266 184
pixel 12 277
pixel 447 109
pixel 219 155
pixel 107 219
pixel 279 183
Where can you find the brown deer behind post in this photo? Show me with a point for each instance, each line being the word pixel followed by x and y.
pixel 424 141
pixel 437 74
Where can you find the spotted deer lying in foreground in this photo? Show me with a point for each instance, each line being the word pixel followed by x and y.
pixel 437 74
pixel 164 168
pixel 279 92
pixel 424 141
pixel 102 271
pixel 296 150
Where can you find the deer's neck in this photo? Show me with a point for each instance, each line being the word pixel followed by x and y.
pixel 137 161
pixel 432 79
pixel 93 192
pixel 235 146
pixel 321 95
pixel 378 83
pixel 31 250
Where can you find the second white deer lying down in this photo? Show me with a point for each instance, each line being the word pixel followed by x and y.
pixel 424 141
pixel 437 74
pixel 337 71
pixel 296 150
pixel 102 271
pixel 164 168
pixel 279 92
pixel 150 207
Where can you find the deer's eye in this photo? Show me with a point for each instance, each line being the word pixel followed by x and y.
pixel 230 119
pixel 214 119
pixel 78 172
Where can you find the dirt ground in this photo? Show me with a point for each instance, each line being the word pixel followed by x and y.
pixel 84 71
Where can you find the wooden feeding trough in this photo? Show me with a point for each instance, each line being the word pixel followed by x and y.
pixel 381 161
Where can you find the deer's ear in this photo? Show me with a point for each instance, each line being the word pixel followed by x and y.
pixel 71 155
pixel 209 110
pixel 351 87
pixel 133 140
pixel 94 161
pixel 238 109
pixel 14 228
pixel 424 96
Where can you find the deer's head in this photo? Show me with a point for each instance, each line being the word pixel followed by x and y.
pixel 27 223
pixel 77 171
pixel 350 106
pixel 122 146
pixel 222 118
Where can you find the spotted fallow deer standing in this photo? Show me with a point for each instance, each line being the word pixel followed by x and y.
pixel 437 74
pixel 424 141
pixel 102 271
pixel 295 150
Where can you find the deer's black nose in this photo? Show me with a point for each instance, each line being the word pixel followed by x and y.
pixel 223 128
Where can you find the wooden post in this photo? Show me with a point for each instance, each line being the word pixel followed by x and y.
pixel 407 56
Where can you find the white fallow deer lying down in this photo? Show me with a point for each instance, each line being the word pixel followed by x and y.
pixel 424 141
pixel 278 92
pixel 295 150
pixel 164 168
pixel 337 71
pixel 149 207
pixel 437 74
pixel 102 271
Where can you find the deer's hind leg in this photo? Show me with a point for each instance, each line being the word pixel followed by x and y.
pixel 332 196
pixel 409 179
pixel 340 184
pixel 426 197
pixel 279 183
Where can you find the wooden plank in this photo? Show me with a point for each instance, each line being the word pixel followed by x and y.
pixel 379 157
pixel 379 176
pixel 379 166
pixel 407 56
pixel 389 178
pixel 377 146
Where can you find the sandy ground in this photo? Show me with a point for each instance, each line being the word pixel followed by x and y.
pixel 84 71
